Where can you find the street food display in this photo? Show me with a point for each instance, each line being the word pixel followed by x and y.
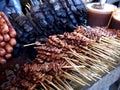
pixel 59 45
pixel 81 56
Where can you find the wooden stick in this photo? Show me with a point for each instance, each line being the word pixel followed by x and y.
pixel 96 75
pixel 32 2
pixel 86 58
pixel 48 86
pixel 33 44
pixel 79 79
pixel 101 52
pixel 73 66
pixel 64 84
pixel 29 44
pixel 53 84
pixel 27 7
pixel 33 87
pixel 71 77
pixel 95 67
pixel 104 59
pixel 87 73
pixel 76 69
pixel 43 86
pixel 70 88
pixel 59 85
pixel 95 58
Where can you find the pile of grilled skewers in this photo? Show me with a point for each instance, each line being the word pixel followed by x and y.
pixel 56 16
pixel 48 18
pixel 70 59
pixel 7 38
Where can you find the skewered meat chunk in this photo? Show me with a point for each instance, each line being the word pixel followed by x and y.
pixel 95 33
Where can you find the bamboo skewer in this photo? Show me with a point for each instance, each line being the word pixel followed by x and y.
pixel 70 77
pixel 105 50
pixel 67 86
pixel 106 70
pixel 27 6
pixel 76 69
pixel 88 73
pixel 97 76
pixel 53 84
pixel 59 85
pixel 85 57
pixel 111 41
pixel 48 86
pixel 33 87
pixel 97 60
pixel 43 86
pixel 97 56
pixel 70 88
pixel 32 2
pixel 73 67
pixel 89 58
pixel 103 55
pixel 77 78
pixel 31 44
pixel 92 67
pixel 103 58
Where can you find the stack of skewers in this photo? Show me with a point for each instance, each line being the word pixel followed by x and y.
pixel 48 18
pixel 81 57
